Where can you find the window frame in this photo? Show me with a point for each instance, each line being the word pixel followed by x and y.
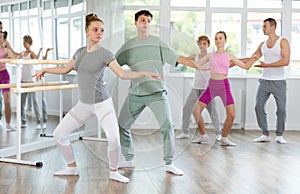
pixel 165 9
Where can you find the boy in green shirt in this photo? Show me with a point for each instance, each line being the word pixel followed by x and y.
pixel 148 53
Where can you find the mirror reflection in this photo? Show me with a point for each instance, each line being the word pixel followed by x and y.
pixel 41 110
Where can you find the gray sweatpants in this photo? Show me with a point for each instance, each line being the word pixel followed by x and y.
pixel 132 108
pixel 278 89
pixel 189 105
pixel 36 107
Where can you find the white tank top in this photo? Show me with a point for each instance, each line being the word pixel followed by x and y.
pixel 201 78
pixel 27 70
pixel 272 55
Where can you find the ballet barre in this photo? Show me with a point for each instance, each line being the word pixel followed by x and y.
pixel 18 89
pixel 45 88
pixel 33 62
pixel 31 84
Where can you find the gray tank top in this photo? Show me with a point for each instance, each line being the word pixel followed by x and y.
pixel 90 68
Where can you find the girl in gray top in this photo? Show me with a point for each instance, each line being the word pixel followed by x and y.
pixel 90 62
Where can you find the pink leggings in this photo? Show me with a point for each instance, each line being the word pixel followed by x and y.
pixel 219 88
pixel 4 79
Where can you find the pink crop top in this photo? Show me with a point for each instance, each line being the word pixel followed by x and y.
pixel 219 63
pixel 2 57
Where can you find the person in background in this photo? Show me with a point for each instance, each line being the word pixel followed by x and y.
pixel 5 79
pixel 90 62
pixel 44 103
pixel 148 53
pixel 27 72
pixel 200 82
pixel 218 85
pixel 276 53
pixel 1 98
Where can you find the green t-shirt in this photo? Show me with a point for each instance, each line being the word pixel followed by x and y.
pixel 146 55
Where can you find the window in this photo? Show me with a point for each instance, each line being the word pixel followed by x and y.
pixel 187 3
pixel 34 32
pixel 36 18
pixel 295 57
pixel 48 37
pixel 47 8
pixel 264 3
pixel 185 27
pixel 61 6
pixel 142 2
pixel 4 11
pixel 76 29
pixel 240 19
pixel 16 36
pixel 15 9
pixel 77 6
pixel 62 38
pixel 227 3
pixel 296 4
pixel 33 8
pixel 23 8
pixel 25 29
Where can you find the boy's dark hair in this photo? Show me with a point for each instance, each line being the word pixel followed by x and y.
pixel 222 32
pixel 272 22
pixel 142 12
pixel 203 38
pixel 27 39
pixel 4 35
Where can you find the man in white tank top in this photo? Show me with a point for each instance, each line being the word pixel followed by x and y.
pixel 276 53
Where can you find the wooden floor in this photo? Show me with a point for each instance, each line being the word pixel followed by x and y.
pixel 247 168
pixel 28 134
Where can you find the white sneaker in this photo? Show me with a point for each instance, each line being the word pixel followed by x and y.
pixel 10 128
pixel 218 137
pixel 127 164
pixel 201 139
pixel 118 177
pixel 23 125
pixel 280 139
pixel 183 136
pixel 263 138
pixel 69 171
pixel 226 142
pixel 172 169
pixel 38 126
pixel 44 125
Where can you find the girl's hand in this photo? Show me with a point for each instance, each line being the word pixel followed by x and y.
pixel 255 57
pixel 201 67
pixel 153 76
pixel 38 76
pixel 262 64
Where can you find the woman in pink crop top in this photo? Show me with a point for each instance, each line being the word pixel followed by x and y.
pixel 219 86
pixel 5 79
